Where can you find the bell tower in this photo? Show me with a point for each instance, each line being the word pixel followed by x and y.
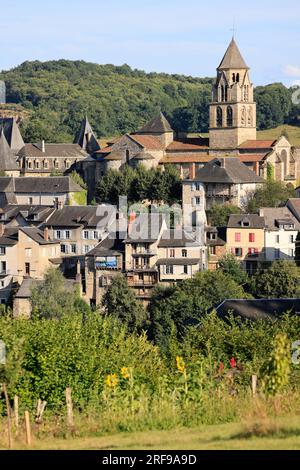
pixel 232 111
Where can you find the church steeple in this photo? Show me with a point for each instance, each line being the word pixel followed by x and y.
pixel 232 111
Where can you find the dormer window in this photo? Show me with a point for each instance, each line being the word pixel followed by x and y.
pixel 245 223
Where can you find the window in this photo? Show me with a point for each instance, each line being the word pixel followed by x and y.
pixel 238 252
pixel 73 248
pixel 252 251
pixel 2 250
pixel 172 253
pixel 197 201
pixel 28 252
pixel 29 164
pixel 229 116
pixel 2 283
pixel 67 235
pixel 291 239
pixel 30 201
pixel 37 164
pixel 3 267
pixel 212 250
pixel 277 238
pixel 58 234
pixel 46 165
pixel 237 77
pixel 291 253
pixel 56 165
pixel 196 187
pixel 237 237
pixel 67 164
pixel 169 269
pixel 86 235
pixel 96 235
pixel 251 237
pixel 185 269
pixel 63 248
pixel 184 253
pixel 219 117
pixel 27 269
pixel 86 248
pixel 233 77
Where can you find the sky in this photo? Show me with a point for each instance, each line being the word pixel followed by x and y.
pixel 173 36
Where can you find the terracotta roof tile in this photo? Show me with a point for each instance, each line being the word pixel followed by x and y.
pixel 148 142
pixel 188 158
pixel 257 144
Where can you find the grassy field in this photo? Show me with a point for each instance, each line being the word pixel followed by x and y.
pixel 281 434
pixel 293 133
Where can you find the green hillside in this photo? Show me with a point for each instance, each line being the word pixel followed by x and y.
pixel 118 99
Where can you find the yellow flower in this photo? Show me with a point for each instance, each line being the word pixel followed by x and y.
pixel 111 380
pixel 125 372
pixel 180 364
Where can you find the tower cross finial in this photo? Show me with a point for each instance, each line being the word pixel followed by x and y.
pixel 233 29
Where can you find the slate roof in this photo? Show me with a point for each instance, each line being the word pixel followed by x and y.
pixel 10 237
pixel 272 215
pixel 7 158
pixel 37 235
pixel 227 170
pixel 28 284
pixel 32 214
pixel 145 228
pixel 158 125
pixel 29 185
pixel 176 238
pixel 264 309
pixel 294 205
pixel 108 247
pixel 254 220
pixel 77 216
pixel 232 58
pixel 12 133
pixel 53 151
pixel 86 137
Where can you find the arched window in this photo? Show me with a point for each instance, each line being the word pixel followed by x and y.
pixel 237 77
pixel 233 77
pixel 219 117
pixel 222 93
pixel 226 93
pixel 229 116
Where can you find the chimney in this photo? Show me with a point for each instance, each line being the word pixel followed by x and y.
pixel 59 205
pixel 222 161
pixel 78 273
pixel 1 230
pixel 132 217
pixel 43 146
pixel 192 171
pixel 46 234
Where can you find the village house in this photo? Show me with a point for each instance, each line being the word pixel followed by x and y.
pixel 223 180
pixel 245 239
pixel 281 233
pixel 24 252
pixel 216 246
pixel 25 215
pixel 55 191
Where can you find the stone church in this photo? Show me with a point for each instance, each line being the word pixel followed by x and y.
pixel 232 133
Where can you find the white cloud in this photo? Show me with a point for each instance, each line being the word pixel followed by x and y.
pixel 292 71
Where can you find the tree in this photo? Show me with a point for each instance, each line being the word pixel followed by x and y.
pixel 78 180
pixel 120 302
pixel 229 265
pixel 219 214
pixel 276 370
pixel 272 194
pixel 173 310
pixel 281 280
pixel 55 297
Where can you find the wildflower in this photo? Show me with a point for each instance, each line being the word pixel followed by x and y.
pixel 221 367
pixel 111 380
pixel 232 363
pixel 125 372
pixel 180 364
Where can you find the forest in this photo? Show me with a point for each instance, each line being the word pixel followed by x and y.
pixel 118 99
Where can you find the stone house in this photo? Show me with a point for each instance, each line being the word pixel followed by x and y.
pixel 54 191
pixel 216 246
pixel 223 180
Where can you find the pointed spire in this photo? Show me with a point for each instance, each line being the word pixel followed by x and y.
pixel 233 58
pixel 158 125
pixel 12 134
pixel 86 137
pixel 7 158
